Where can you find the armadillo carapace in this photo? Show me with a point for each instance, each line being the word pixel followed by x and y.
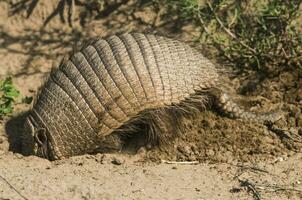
pixel 118 81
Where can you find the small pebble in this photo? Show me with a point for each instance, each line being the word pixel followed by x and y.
pixel 17 155
pixel 89 156
pixel 279 159
pixel 116 161
pixel 99 158
pixel 235 190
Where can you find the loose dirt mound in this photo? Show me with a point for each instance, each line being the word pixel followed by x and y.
pixel 210 136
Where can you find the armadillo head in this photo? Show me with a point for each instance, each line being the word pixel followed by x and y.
pixel 55 128
pixel 36 140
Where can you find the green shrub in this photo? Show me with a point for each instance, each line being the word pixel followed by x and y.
pixel 251 34
pixel 8 94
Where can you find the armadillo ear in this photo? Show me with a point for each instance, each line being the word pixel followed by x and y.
pixel 40 136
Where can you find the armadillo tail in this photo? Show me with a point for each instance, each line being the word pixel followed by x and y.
pixel 228 106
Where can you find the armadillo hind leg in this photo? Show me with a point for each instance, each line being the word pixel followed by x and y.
pixel 110 143
pixel 163 125
pixel 229 107
pixel 155 127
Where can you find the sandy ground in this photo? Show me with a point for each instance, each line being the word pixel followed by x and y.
pixel 215 158
pixel 95 177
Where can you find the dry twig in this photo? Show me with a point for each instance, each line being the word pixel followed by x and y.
pixel 276 188
pixel 228 31
pixel 251 188
pixel 284 133
pixel 13 188
pixel 251 168
pixel 180 162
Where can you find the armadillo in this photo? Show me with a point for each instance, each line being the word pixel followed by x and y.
pixel 116 83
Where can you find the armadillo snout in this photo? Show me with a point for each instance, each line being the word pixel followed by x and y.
pixel 35 140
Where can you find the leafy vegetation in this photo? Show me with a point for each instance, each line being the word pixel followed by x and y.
pixel 8 95
pixel 251 34
pixel 67 9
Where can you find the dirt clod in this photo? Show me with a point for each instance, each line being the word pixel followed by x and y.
pixel 117 161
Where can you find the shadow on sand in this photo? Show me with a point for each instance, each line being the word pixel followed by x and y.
pixel 14 128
